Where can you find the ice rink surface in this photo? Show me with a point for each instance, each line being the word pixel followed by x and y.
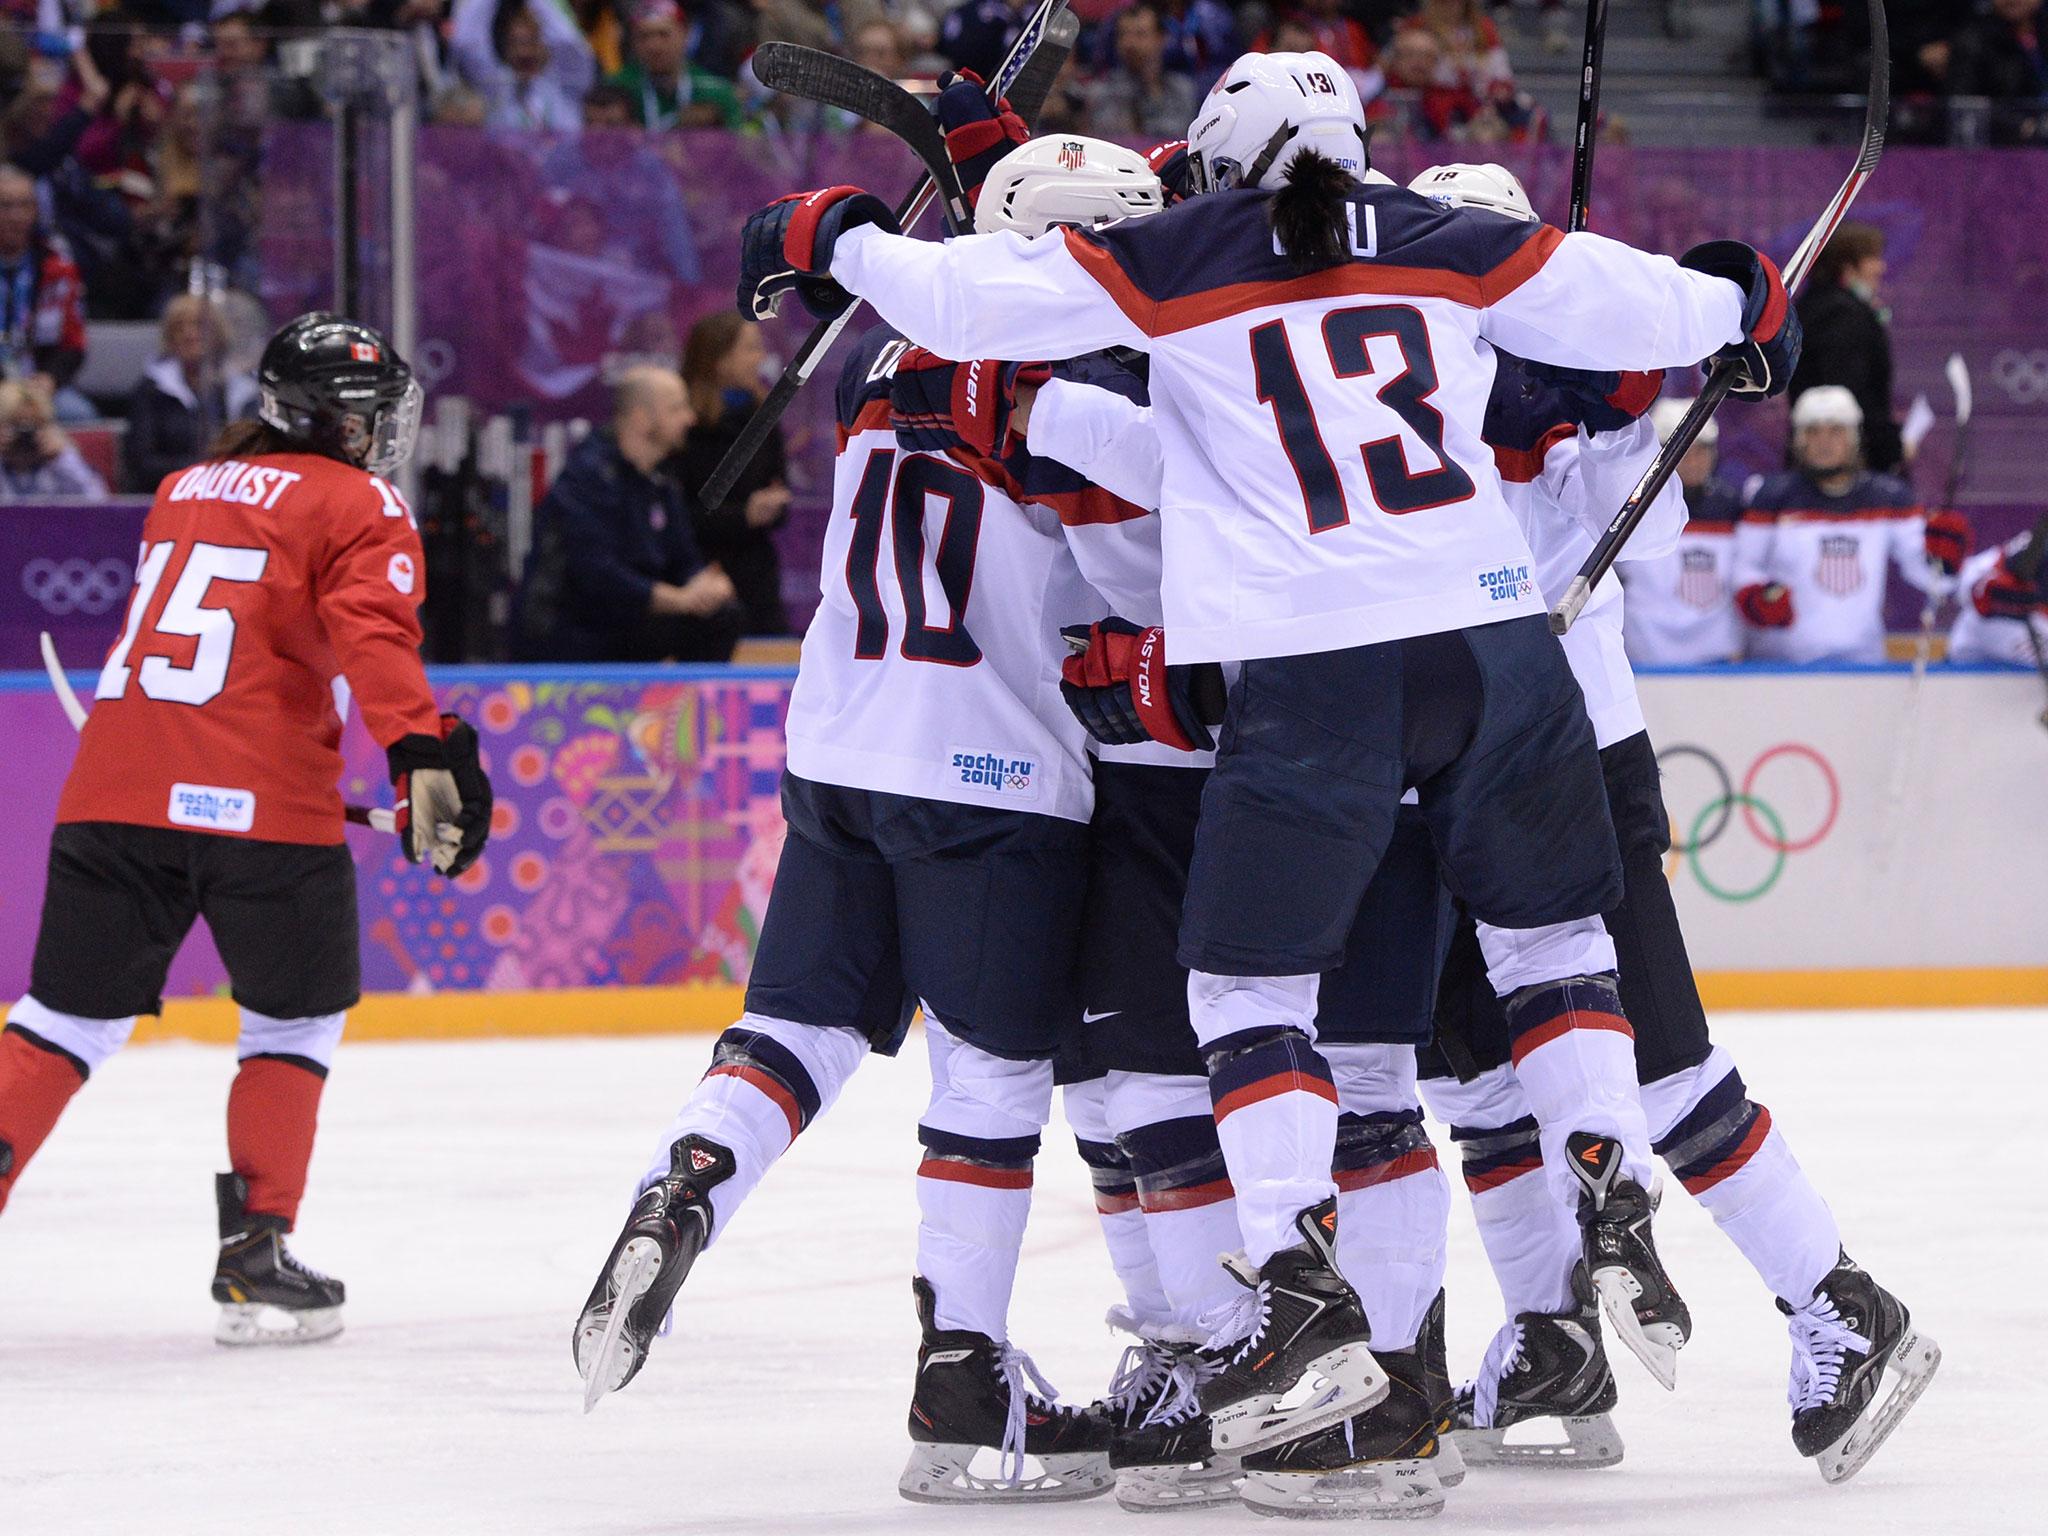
pixel 467 1193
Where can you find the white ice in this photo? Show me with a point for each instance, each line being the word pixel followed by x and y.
pixel 467 1192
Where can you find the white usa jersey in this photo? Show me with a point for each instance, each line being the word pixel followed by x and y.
pixel 931 668
pixel 1681 603
pixel 1326 485
pixel 1974 637
pixel 1832 553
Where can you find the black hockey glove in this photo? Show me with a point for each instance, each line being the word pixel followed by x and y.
pixel 1772 336
pixel 936 405
pixel 1120 688
pixel 442 796
pixel 787 247
pixel 1600 402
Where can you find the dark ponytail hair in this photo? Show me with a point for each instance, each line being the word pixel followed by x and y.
pixel 1308 212
pixel 251 439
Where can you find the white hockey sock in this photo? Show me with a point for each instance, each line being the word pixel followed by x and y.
pixel 1574 1054
pixel 1117 1205
pixel 1393 1205
pixel 1723 1148
pixel 1275 1106
pixel 980 1133
pixel 1166 1126
pixel 769 1078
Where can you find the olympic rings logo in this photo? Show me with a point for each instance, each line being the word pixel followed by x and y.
pixel 1760 820
pixel 76 586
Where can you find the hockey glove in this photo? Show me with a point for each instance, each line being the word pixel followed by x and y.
pixel 1600 402
pixel 979 132
pixel 1771 333
pixel 787 247
pixel 1766 606
pixel 1120 688
pixel 442 797
pixel 1948 541
pixel 936 405
pixel 2005 594
pixel 1169 162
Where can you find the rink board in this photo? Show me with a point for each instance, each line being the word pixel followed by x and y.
pixel 1825 855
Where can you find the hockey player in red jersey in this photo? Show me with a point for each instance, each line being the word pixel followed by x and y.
pixel 275 578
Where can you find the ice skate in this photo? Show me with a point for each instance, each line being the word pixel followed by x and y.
pixel 1450 1460
pixel 1543 1366
pixel 1159 1447
pixel 266 1295
pixel 1636 1296
pixel 1382 1464
pixel 1843 1342
pixel 1304 1364
pixel 670 1224
pixel 971 1403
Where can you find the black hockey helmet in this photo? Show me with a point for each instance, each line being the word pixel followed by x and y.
pixel 339 386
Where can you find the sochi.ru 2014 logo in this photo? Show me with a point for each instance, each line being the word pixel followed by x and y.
pixel 1749 837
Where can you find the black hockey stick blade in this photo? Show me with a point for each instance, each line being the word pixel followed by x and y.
pixel 1049 24
pixel 1035 80
pixel 1584 140
pixel 1608 548
pixel 814 75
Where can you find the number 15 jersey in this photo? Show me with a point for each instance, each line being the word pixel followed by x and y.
pixel 266 589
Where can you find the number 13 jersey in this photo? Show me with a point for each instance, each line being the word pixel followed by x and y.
pixel 262 584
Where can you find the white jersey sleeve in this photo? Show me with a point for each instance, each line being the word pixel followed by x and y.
pixel 1611 464
pixel 1566 312
pixel 1108 438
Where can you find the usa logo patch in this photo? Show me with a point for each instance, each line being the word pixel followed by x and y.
pixel 1073 154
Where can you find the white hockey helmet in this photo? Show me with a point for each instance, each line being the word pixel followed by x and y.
pixel 1492 187
pixel 1268 108
pixel 1065 178
pixel 1827 405
pixel 1668 412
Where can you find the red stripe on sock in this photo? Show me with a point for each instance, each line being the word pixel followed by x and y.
pixel 1194 1197
pixel 1109 1205
pixel 1271 1088
pixel 1552 1029
pixel 955 1172
pixel 1735 1161
pixel 1506 1173
pixel 780 1096
pixel 1421 1160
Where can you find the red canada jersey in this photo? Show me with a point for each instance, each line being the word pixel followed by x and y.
pixel 266 590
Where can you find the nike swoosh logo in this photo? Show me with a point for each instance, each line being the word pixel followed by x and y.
pixel 1097 1018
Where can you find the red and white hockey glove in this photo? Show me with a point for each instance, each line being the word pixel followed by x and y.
pixel 1169 162
pixel 1772 336
pixel 441 796
pixel 978 132
pixel 1120 688
pixel 787 248
pixel 2005 594
pixel 1766 606
pixel 936 404
pixel 1948 541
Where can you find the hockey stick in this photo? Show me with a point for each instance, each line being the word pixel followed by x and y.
pixel 1589 114
pixel 1958 373
pixel 826 78
pixel 1026 77
pixel 376 818
pixel 1722 379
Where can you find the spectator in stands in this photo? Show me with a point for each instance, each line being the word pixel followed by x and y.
pixel 635 188
pixel 668 90
pixel 1471 55
pixel 615 573
pixel 722 366
pixel 527 60
pixel 2001 56
pixel 116 146
pixel 603 24
pixel 1140 96
pixel 185 397
pixel 459 107
pixel 1323 24
pixel 977 33
pixel 425 23
pixel 1202 40
pixel 814 23
pixel 1848 337
pixel 879 45
pixel 36 459
pixel 42 301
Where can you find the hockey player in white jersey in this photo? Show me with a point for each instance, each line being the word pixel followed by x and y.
pixel 1816 541
pixel 1681 604
pixel 2001 596
pixel 1290 309
pixel 1570 448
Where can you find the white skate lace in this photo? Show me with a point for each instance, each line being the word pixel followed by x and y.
pixel 1181 1396
pixel 1014 1366
pixel 1502 1356
pixel 1819 1340
pixel 1146 1368
pixel 1239 1324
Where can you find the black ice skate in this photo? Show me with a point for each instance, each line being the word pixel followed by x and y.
pixel 670 1224
pixel 1304 1364
pixel 1382 1464
pixel 1159 1446
pixel 1450 1460
pixel 971 1397
pixel 1843 1341
pixel 1640 1303
pixel 1543 1366
pixel 266 1295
